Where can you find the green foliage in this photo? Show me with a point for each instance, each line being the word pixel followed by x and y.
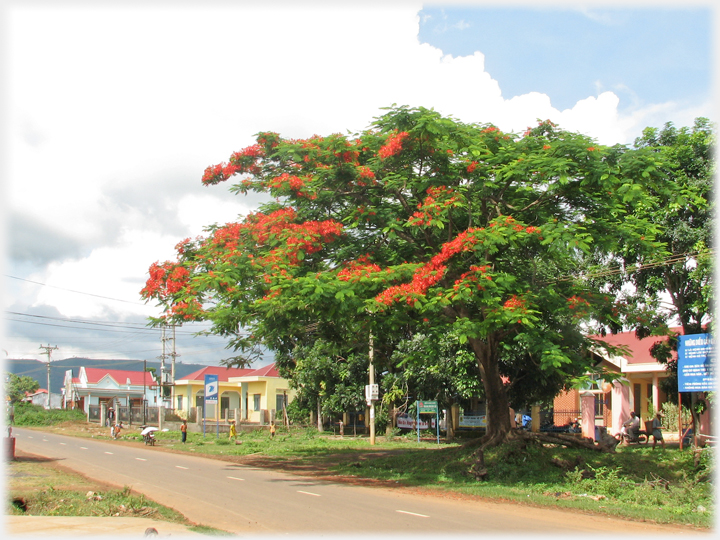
pixel 27 414
pixel 421 225
pixel 18 385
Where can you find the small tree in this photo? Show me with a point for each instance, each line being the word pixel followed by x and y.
pixel 18 386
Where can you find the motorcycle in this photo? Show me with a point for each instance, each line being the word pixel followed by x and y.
pixel 641 437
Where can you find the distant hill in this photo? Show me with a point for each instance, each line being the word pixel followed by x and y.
pixel 38 369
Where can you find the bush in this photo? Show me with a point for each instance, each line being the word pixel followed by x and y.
pixel 27 414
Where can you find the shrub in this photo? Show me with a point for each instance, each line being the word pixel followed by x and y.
pixel 27 414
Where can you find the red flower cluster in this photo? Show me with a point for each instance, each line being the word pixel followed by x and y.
pixel 393 145
pixel 472 166
pixel 471 279
pixel 515 303
pixel 575 302
pixel 366 173
pixel 430 273
pixel 188 310
pixel 437 200
pixel 165 279
pixel 358 269
pixel 294 183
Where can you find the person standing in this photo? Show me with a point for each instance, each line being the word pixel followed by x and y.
pixel 183 430
pixel 656 432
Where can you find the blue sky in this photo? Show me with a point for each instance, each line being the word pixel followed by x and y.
pixel 644 55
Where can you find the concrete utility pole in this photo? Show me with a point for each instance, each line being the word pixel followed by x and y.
pixel 48 348
pixel 162 379
pixel 372 401
pixel 173 355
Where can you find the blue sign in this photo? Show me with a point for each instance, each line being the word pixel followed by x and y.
pixel 211 388
pixel 696 363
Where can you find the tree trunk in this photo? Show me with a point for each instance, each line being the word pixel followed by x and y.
pixel 496 403
pixel 319 416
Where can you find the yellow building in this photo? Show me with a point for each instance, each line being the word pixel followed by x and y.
pixel 246 395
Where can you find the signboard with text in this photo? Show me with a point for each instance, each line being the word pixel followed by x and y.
pixel 427 407
pixel 211 388
pixel 696 363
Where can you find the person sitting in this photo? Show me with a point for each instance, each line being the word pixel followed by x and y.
pixel 632 426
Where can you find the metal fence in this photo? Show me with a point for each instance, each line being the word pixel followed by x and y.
pixel 133 415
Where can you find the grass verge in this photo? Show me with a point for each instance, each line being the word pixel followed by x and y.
pixel 40 487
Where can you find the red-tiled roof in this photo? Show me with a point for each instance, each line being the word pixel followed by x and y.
pixel 94 375
pixel 222 372
pixel 267 371
pixel 639 348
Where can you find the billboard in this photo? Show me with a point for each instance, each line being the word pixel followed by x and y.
pixel 696 363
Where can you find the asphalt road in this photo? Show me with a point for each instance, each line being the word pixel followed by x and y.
pixel 243 499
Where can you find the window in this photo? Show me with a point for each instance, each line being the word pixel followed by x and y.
pixel 179 402
pixel 279 401
pixel 199 400
pixel 637 398
pixel 224 403
pixel 256 402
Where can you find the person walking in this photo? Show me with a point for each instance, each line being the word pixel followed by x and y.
pixel 233 430
pixel 183 430
pixel 656 432
pixel 272 429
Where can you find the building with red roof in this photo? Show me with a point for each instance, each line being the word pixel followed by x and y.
pixel 251 395
pixel 95 388
pixel 638 388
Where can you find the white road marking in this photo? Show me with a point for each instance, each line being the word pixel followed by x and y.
pixel 83 448
pixel 45 440
pixel 411 513
pixel 233 478
pixel 180 467
pixel 308 493
pixel 141 459
pixel 109 453
pixel 63 443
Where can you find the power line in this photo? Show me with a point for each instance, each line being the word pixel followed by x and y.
pixel 74 291
pixel 128 326
pixel 654 264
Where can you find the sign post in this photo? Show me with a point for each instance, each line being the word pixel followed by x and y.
pixel 211 396
pixel 424 407
pixel 696 369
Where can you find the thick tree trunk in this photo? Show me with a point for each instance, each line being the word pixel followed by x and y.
pixel 496 402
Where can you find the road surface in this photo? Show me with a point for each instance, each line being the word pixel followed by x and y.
pixel 242 499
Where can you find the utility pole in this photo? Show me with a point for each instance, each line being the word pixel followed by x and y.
pixel 162 379
pixel 48 348
pixel 372 384
pixel 173 355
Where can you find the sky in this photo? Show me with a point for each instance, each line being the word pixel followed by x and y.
pixel 112 111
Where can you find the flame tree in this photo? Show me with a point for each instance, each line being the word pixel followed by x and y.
pixel 421 221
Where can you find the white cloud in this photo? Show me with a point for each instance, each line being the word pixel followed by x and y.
pixel 116 111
